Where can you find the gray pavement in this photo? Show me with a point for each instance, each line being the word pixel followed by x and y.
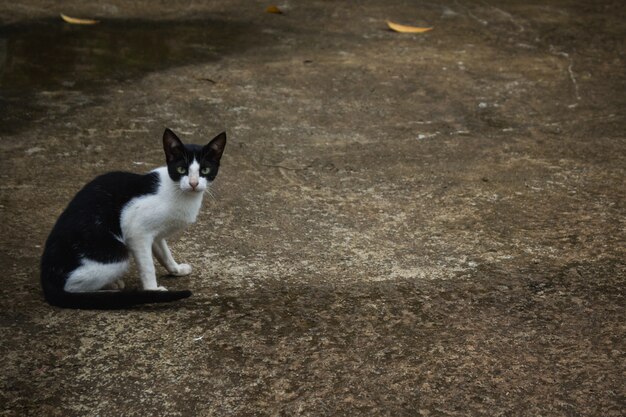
pixel 404 224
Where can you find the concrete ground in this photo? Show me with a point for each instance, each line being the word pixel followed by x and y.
pixel 428 224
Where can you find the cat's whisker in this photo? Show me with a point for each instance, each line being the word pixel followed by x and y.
pixel 215 191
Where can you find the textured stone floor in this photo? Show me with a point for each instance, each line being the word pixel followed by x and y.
pixel 404 224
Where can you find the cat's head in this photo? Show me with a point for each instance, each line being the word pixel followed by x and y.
pixel 193 167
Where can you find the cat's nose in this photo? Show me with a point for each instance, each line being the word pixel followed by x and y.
pixel 193 183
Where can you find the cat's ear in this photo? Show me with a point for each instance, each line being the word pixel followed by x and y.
pixel 173 147
pixel 215 148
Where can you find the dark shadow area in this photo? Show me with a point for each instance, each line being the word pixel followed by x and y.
pixel 48 58
pixel 391 346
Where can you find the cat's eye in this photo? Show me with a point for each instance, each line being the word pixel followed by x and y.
pixel 205 171
pixel 181 170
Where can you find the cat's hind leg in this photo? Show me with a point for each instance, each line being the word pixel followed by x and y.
pixel 164 256
pixel 93 276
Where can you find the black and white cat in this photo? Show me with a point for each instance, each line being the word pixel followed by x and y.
pixel 121 214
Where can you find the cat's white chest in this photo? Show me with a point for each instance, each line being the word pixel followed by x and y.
pixel 166 212
pixel 182 212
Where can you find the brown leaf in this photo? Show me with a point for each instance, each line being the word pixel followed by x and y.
pixel 273 9
pixel 76 21
pixel 406 29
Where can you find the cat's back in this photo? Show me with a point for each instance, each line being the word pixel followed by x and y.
pixel 100 202
pixel 116 189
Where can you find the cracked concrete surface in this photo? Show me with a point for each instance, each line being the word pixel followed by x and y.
pixel 425 224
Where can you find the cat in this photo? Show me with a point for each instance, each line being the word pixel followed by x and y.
pixel 120 214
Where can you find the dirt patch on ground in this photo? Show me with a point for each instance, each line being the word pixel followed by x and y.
pixel 425 224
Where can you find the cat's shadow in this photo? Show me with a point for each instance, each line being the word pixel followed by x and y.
pixel 195 302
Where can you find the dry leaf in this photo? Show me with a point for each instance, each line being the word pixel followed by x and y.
pixel 76 21
pixel 273 9
pixel 406 29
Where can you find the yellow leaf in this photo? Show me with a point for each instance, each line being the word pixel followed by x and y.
pixel 406 29
pixel 273 9
pixel 75 21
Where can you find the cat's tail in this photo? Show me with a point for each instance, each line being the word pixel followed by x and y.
pixel 109 300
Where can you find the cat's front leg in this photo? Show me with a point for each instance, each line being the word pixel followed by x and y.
pixel 164 256
pixel 141 250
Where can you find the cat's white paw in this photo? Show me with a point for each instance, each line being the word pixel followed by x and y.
pixel 181 270
pixel 160 288
pixel 115 286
